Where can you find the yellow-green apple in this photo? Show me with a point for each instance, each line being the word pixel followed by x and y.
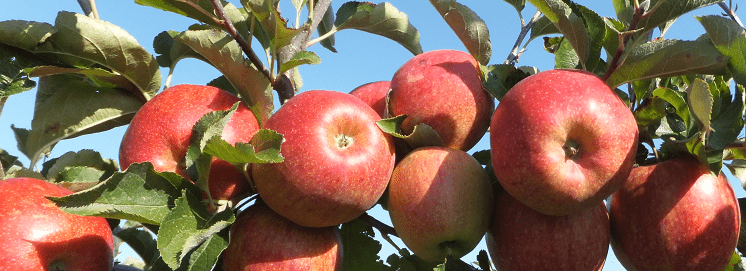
pixel 674 215
pixel 160 132
pixel 562 141
pixel 374 94
pixel 36 235
pixel 443 89
pixel 262 240
pixel 337 161
pixel 440 202
pixel 520 238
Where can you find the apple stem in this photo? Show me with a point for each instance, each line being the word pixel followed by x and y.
pixel 571 149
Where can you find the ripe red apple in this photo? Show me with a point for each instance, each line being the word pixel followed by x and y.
pixel 160 132
pixel 36 235
pixel 263 240
pixel 440 202
pixel 562 141
pixel 374 94
pixel 337 161
pixel 443 89
pixel 674 215
pixel 521 238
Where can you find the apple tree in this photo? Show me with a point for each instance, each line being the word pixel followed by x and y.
pixel 686 98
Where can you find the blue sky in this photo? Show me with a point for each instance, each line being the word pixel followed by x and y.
pixel 361 58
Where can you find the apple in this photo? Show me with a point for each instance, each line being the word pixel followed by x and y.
pixel 562 141
pixel 36 235
pixel 161 129
pixel 443 89
pixel 374 94
pixel 337 161
pixel 520 238
pixel 261 239
pixel 674 215
pixel 440 202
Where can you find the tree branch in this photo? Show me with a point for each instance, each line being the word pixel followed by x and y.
pixel 231 29
pixel 382 227
pixel 514 54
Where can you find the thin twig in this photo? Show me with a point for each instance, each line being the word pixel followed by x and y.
pixel 514 54
pixel 94 9
pixel 382 227
pixel 231 29
pixel 729 11
pixel 623 39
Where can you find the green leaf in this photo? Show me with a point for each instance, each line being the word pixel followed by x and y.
pixel 274 25
pixel 517 4
pixel 624 10
pixel 663 11
pixel 188 235
pixel 224 54
pixel 542 26
pixel 80 170
pixel 13 62
pixel 99 76
pixel 728 120
pixel 676 99
pixel 736 263
pixel 208 126
pixel 302 57
pixel 142 242
pixel 499 78
pixel 470 29
pixel 67 107
pixel 730 39
pixel 26 35
pixel 360 250
pixel 8 160
pixel 140 194
pixel 651 111
pixel 665 58
pixel 422 134
pixel 596 28
pixel 611 41
pixel 81 39
pixel 700 102
pixel 569 23
pixel 18 171
pixel 200 10
pixel 264 148
pixel 326 25
pixel 381 19
pixel 566 57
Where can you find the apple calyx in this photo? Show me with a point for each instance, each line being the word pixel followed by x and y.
pixel 57 266
pixel 343 141
pixel 572 148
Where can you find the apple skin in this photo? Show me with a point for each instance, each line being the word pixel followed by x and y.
pixel 337 161
pixel 36 235
pixel 263 240
pixel 440 199
pixel 674 215
pixel 535 128
pixel 160 132
pixel 520 238
pixel 443 89
pixel 374 94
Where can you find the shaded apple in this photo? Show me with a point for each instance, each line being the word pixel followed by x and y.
pixel 521 238
pixel 161 129
pixel 263 240
pixel 374 94
pixel 440 202
pixel 36 235
pixel 562 141
pixel 443 89
pixel 674 215
pixel 337 161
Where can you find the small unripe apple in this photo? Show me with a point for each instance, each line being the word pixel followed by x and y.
pixel 337 161
pixel 440 202
pixel 562 141
pixel 161 129
pixel 443 89
pixel 674 215
pixel 262 240
pixel 36 235
pixel 521 238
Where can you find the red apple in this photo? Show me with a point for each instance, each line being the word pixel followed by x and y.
pixel 521 238
pixel 337 161
pixel 674 215
pixel 440 202
pixel 263 240
pixel 160 132
pixel 374 94
pixel 562 141
pixel 36 235
pixel 443 89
